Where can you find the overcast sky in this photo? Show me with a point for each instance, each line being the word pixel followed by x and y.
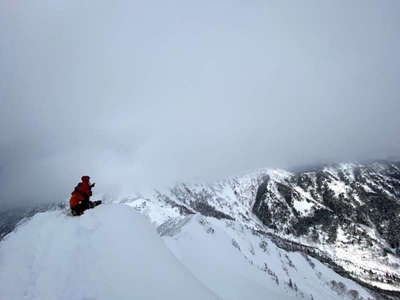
pixel 142 94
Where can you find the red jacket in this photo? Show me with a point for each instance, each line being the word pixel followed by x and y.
pixel 81 192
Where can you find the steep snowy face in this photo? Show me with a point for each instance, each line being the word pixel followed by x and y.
pixel 350 212
pixel 231 199
pixel 110 252
pixel 337 196
pixel 238 263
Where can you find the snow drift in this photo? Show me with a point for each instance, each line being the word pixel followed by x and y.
pixel 110 252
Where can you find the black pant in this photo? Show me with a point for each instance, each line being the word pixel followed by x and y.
pixel 82 206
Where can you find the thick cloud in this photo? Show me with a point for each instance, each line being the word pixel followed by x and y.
pixel 144 94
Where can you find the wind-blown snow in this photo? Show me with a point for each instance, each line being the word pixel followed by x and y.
pixel 110 252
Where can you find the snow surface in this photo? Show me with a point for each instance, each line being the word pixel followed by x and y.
pixel 110 252
pixel 303 206
pixel 229 259
pixel 222 268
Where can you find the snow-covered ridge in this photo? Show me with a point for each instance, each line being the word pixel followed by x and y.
pixel 110 252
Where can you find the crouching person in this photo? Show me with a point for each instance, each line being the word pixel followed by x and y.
pixel 79 201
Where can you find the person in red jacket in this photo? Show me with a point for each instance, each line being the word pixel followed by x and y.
pixel 79 201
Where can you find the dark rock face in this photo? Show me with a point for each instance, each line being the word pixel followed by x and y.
pixel 209 211
pixel 338 196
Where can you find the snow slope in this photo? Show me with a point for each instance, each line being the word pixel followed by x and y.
pixel 209 254
pixel 237 263
pixel 110 252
